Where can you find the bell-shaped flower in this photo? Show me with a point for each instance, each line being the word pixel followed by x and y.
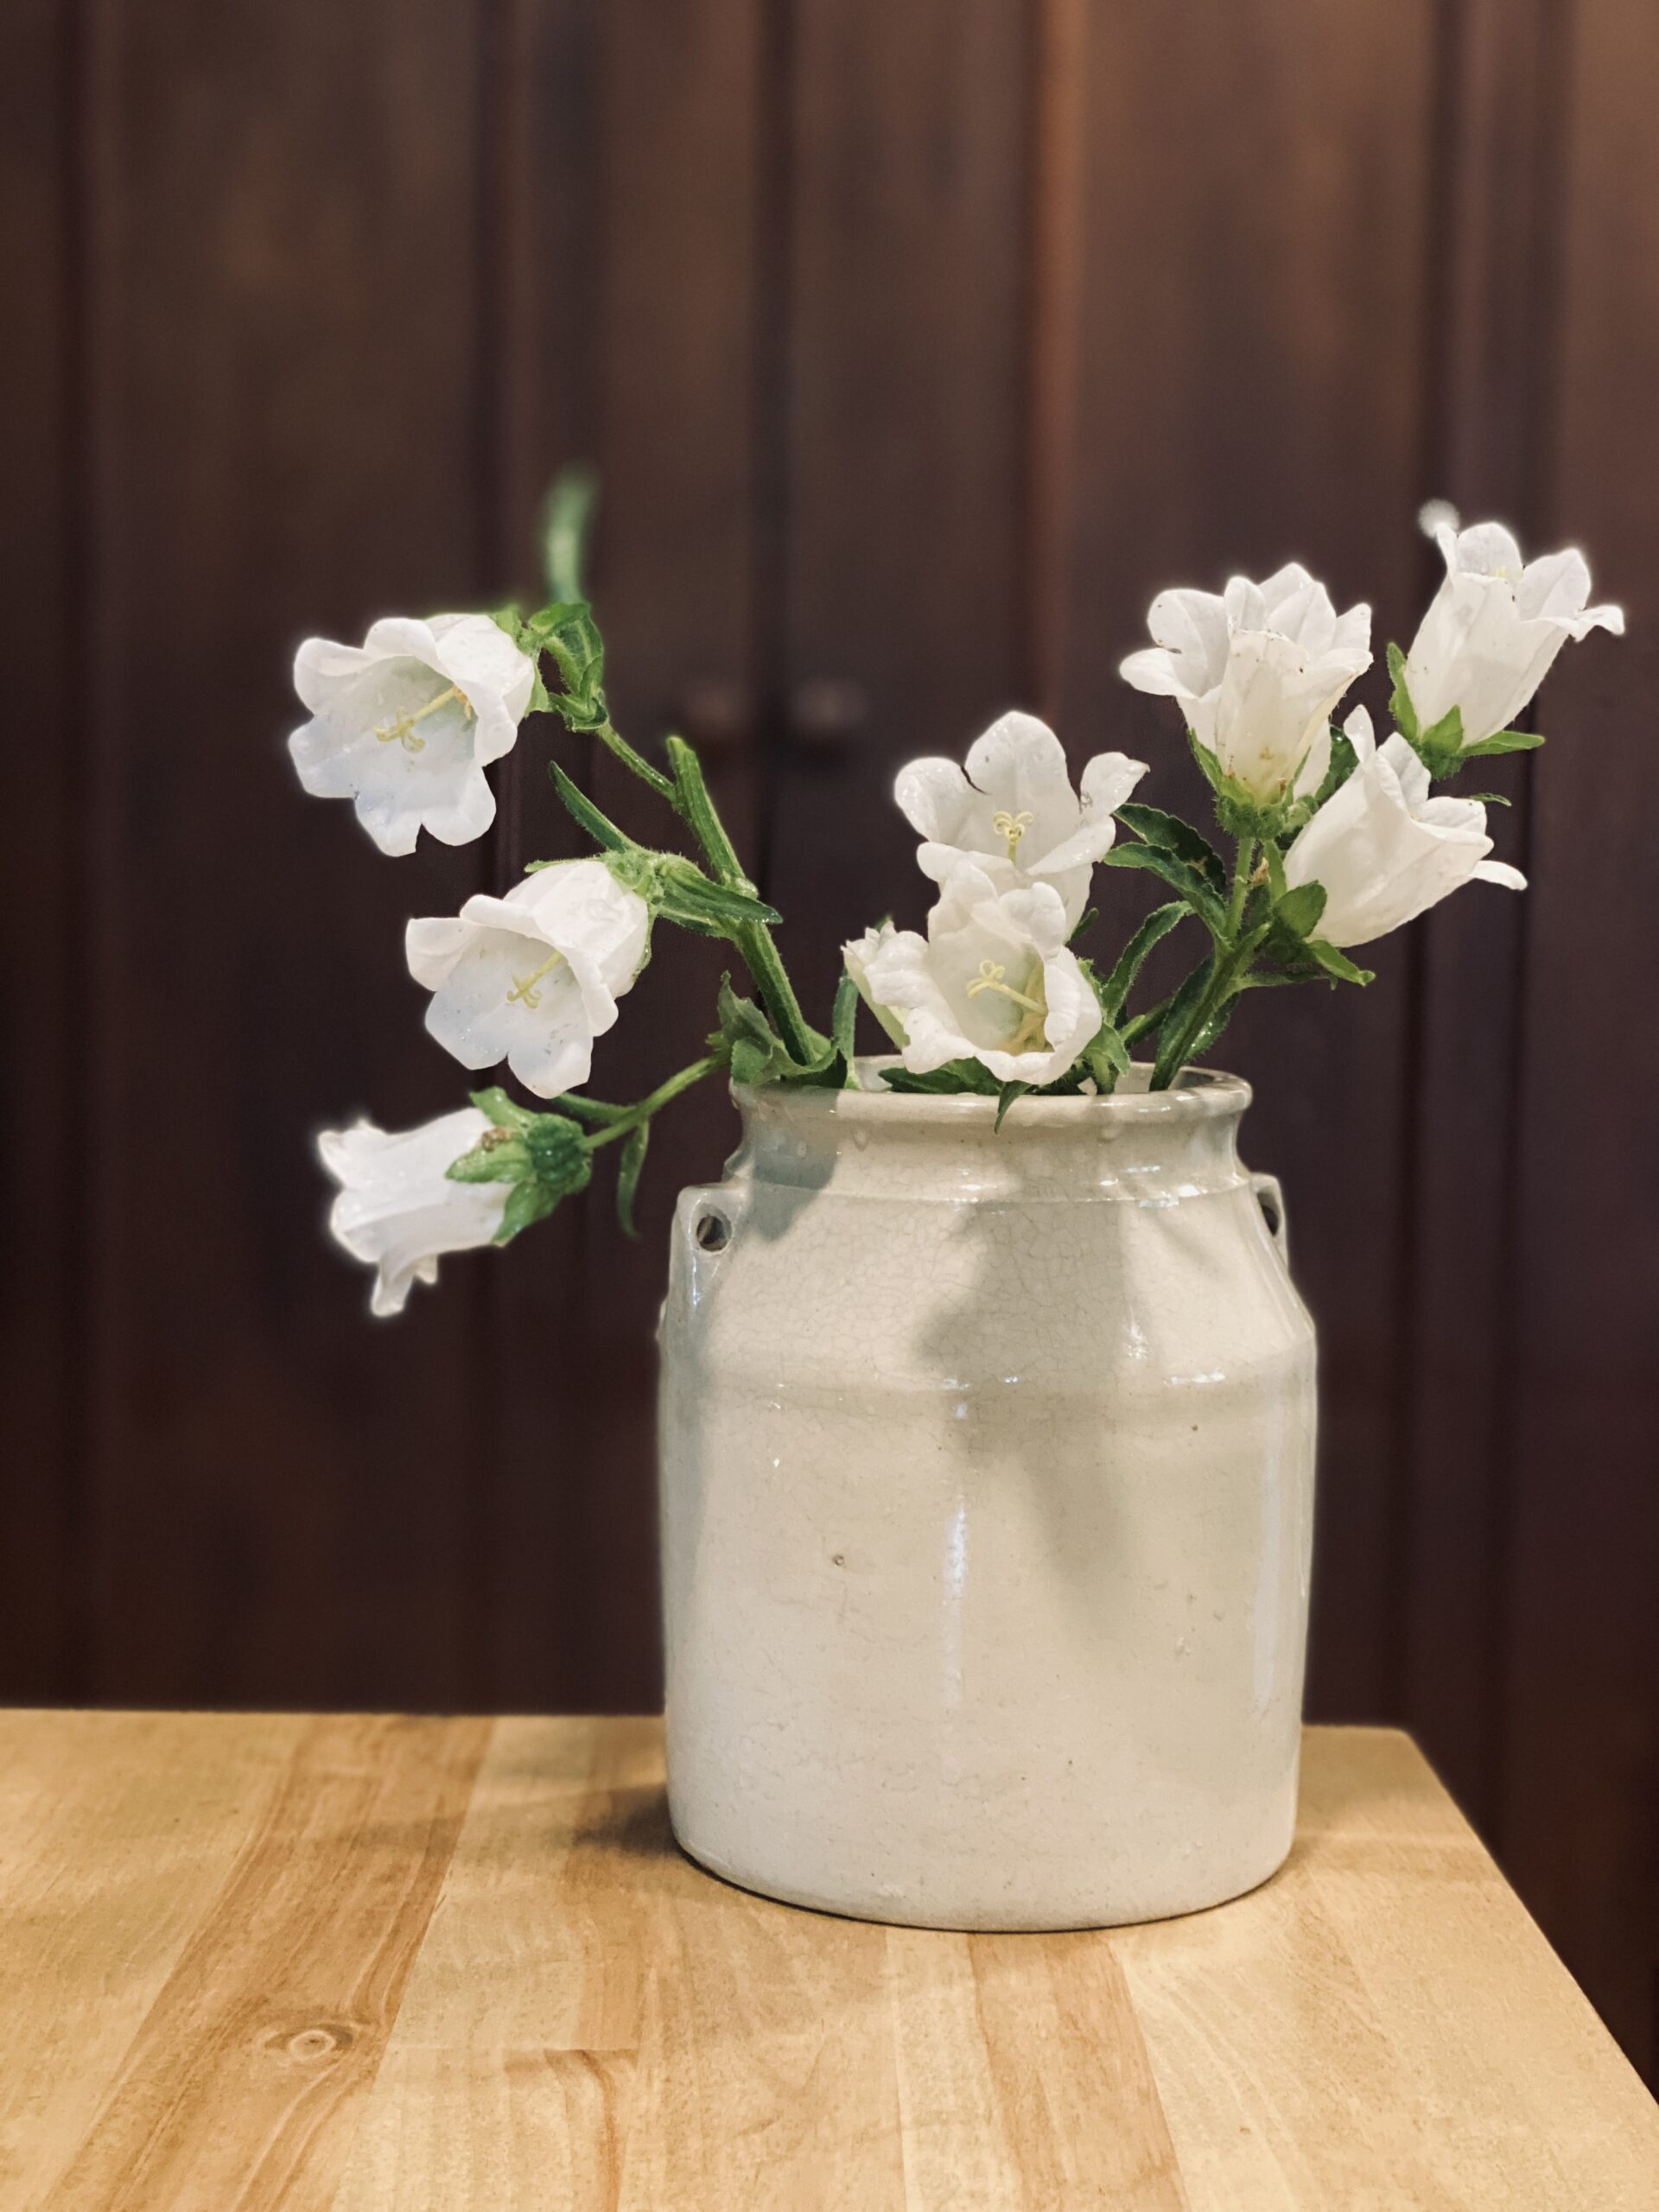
pixel 1385 848
pixel 533 978
pixel 1257 670
pixel 857 956
pixel 406 722
pixel 1494 627
pixel 1015 811
pixel 992 981
pixel 397 1210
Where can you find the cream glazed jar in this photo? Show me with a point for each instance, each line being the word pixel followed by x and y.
pixel 987 1470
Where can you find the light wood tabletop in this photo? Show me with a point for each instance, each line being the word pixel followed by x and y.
pixel 387 1965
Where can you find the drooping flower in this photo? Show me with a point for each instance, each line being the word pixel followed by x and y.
pixel 397 1210
pixel 1385 848
pixel 992 981
pixel 1495 627
pixel 1015 811
pixel 1257 671
pixel 533 978
pixel 406 722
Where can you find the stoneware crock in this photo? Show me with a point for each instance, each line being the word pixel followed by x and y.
pixel 987 1495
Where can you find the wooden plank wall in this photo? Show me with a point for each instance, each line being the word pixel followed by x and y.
pixel 918 347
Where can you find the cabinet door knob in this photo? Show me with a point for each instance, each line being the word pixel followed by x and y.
pixel 717 712
pixel 827 714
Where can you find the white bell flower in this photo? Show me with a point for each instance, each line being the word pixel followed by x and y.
pixel 857 955
pixel 1257 671
pixel 533 978
pixel 406 722
pixel 1494 627
pixel 992 981
pixel 1015 811
pixel 1385 848
pixel 397 1209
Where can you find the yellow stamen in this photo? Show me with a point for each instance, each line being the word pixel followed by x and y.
pixel 400 730
pixel 1013 827
pixel 524 991
pixel 989 978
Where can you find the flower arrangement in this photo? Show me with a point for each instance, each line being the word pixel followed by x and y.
pixel 1336 841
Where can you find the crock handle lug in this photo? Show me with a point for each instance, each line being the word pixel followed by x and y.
pixel 1270 1197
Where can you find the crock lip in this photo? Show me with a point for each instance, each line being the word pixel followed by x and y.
pixel 1199 1094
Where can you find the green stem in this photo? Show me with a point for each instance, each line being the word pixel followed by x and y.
pixel 629 1118
pixel 1242 869
pixel 616 743
pixel 1224 964
pixel 753 939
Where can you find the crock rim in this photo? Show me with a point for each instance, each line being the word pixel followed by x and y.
pixel 1197 1094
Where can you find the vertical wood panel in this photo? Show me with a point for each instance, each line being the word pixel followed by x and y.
pixel 283 409
pixel 1580 1803
pixel 1252 333
pixel 672 320
pixel 907 454
pixel 1490 379
pixel 40 1177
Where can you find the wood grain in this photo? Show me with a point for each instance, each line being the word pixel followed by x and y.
pixel 396 1966
pixel 276 2011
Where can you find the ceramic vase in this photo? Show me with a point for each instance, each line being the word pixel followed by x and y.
pixel 986 1476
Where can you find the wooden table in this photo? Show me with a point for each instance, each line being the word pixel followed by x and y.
pixel 370 1963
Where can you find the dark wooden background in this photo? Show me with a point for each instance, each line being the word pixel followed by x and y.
pixel 917 345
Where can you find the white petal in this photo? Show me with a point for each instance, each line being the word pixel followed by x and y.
pixel 466 816
pixel 320 666
pixel 1108 779
pixel 432 945
pixel 1020 765
pixel 1500 872
pixel 1153 671
pixel 934 796
pixel 478 656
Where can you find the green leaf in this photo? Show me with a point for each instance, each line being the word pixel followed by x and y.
pixel 1507 741
pixel 1399 706
pixel 1338 963
pixel 1171 835
pixel 1004 1098
pixel 497 1157
pixel 599 826
pixel 679 891
pixel 1180 876
pixel 559 1153
pixel 1087 922
pixel 1487 798
pixel 1441 748
pixel 1298 911
pixel 1107 1058
pixel 627 1175
pixel 954 1078
pixel 1113 992
pixel 1210 765
pixel 505 1111
pixel 527 1202
pixel 844 1027
pixel 758 1054
pixel 1180 1008
pixel 1342 762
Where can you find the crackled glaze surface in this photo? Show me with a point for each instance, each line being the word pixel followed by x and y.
pixel 987 1470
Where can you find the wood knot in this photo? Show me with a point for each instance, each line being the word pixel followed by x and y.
pixel 318 2043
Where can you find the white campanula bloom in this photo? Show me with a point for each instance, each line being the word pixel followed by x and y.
pixel 1495 627
pixel 1385 848
pixel 533 978
pixel 857 956
pixel 1256 670
pixel 1015 811
pixel 406 722
pixel 992 981
pixel 397 1210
